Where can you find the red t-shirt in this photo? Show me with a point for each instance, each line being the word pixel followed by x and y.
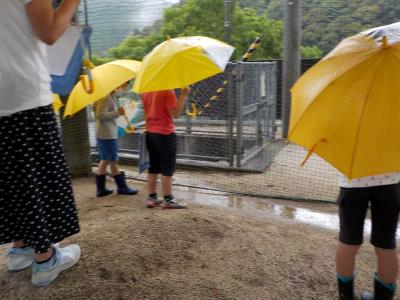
pixel 156 110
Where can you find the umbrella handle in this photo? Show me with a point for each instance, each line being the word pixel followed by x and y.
pixel 129 128
pixel 89 88
pixel 195 111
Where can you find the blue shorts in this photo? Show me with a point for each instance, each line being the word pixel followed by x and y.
pixel 108 149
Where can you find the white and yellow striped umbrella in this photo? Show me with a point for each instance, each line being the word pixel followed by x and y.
pixel 180 62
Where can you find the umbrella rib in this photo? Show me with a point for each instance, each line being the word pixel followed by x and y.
pixel 362 116
pixel 309 106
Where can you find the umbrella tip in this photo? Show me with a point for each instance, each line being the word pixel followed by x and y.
pixel 385 42
pixel 168 37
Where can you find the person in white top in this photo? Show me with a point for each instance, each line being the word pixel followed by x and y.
pixel 382 194
pixel 37 206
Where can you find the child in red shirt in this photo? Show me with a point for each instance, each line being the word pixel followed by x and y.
pixel 159 109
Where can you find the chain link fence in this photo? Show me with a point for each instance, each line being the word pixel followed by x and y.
pixel 233 130
pixel 236 144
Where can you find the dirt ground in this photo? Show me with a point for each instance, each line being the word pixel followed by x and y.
pixel 204 252
pixel 284 178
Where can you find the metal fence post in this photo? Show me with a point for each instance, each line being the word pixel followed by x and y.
pixel 260 104
pixel 239 113
pixel 188 130
pixel 231 114
pixel 291 57
pixel 272 96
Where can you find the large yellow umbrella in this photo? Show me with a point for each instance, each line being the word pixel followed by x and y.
pixel 346 108
pixel 179 62
pixel 106 78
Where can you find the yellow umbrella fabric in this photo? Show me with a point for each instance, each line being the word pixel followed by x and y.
pixel 106 78
pixel 346 108
pixel 57 103
pixel 179 62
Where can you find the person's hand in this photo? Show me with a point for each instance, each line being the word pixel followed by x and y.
pixel 185 91
pixel 121 111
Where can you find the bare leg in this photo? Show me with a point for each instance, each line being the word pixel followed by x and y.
pixel 102 168
pixel 166 184
pixel 387 264
pixel 151 183
pixel 44 256
pixel 345 259
pixel 114 168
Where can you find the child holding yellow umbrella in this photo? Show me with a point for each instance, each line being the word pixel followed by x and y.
pixel 160 107
pixel 106 113
pixel 345 110
pixel 106 81
pixel 175 63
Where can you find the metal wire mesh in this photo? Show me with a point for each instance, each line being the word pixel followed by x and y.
pixel 241 131
pixel 75 140
pixel 233 128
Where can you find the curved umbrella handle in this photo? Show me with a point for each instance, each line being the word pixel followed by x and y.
pixel 88 66
pixel 195 111
pixel 129 127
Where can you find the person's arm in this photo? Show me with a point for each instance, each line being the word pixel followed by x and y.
pixel 176 112
pixel 48 25
pixel 101 112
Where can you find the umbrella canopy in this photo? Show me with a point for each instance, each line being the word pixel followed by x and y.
pixel 179 62
pixel 106 78
pixel 346 108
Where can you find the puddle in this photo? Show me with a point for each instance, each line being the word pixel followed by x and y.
pixel 267 209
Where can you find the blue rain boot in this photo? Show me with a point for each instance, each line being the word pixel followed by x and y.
pixel 382 291
pixel 123 188
pixel 101 186
pixel 346 290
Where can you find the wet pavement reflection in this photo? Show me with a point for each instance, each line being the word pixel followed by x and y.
pixel 269 209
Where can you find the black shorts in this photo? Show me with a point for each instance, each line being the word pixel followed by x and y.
pixel 384 202
pixel 162 153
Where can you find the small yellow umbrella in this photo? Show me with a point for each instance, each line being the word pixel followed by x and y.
pixel 179 62
pixel 57 103
pixel 346 108
pixel 106 78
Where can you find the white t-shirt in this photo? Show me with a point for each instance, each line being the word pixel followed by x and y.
pixel 24 72
pixel 368 181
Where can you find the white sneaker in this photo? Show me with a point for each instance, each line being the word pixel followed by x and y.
pixel 173 204
pixel 63 259
pixel 20 258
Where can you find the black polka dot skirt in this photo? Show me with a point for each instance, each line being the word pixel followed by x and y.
pixel 36 200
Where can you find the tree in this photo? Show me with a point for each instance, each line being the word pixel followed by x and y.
pixel 326 23
pixel 311 52
pixel 206 17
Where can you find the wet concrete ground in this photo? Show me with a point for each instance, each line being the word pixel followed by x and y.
pixel 322 216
